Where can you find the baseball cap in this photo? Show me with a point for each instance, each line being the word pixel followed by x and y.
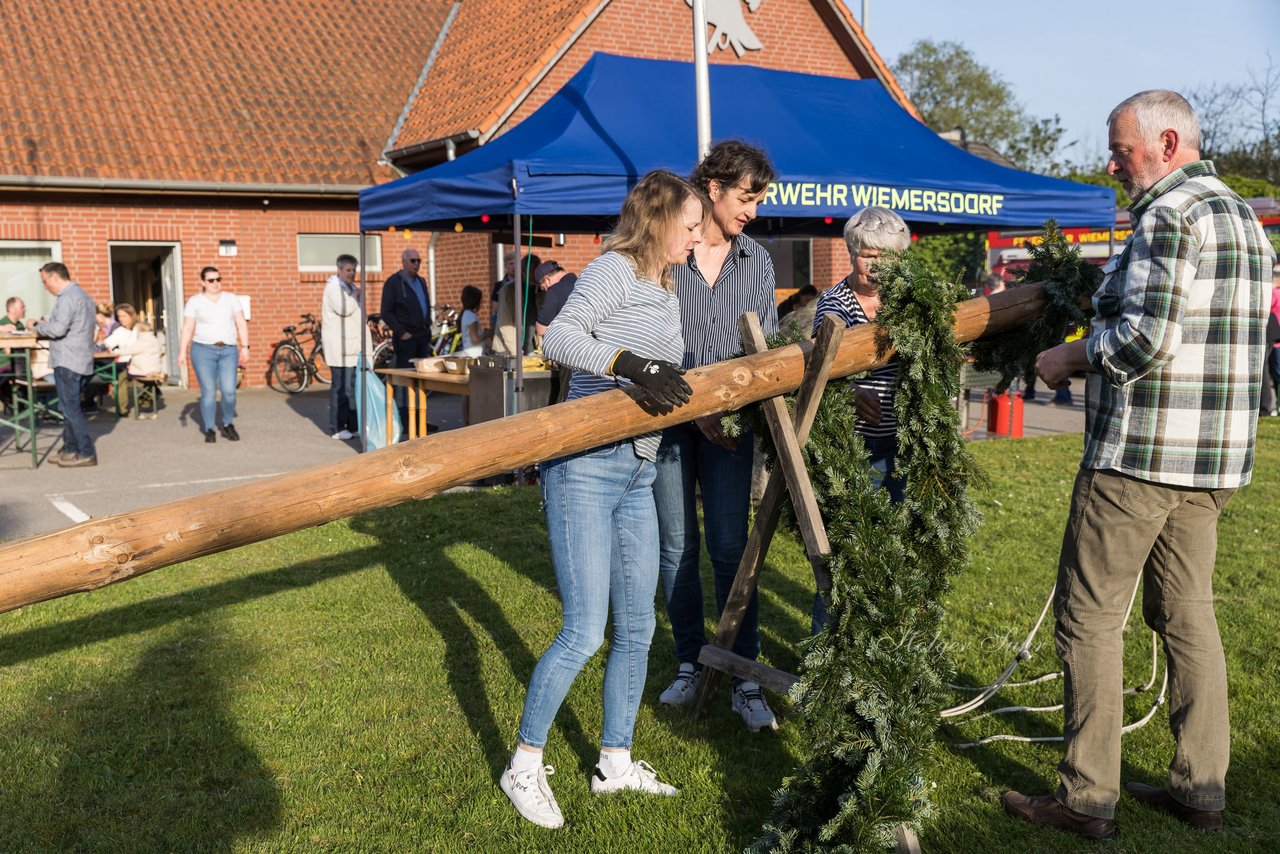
pixel 546 268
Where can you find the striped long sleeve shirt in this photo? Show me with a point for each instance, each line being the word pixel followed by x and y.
pixel 709 315
pixel 883 381
pixel 1178 337
pixel 612 308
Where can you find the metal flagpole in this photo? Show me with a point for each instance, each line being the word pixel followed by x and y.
pixel 701 81
pixel 361 415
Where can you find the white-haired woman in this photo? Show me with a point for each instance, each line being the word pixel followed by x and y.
pixel 620 327
pixel 869 233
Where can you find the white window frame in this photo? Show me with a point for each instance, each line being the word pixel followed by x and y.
pixel 373 261
pixel 55 255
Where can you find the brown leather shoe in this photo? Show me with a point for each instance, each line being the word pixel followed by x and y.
pixel 1045 810
pixel 1160 799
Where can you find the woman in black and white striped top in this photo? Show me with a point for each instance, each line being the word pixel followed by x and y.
pixel 857 300
pixel 620 326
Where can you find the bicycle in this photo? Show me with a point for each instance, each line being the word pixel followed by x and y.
pixel 293 371
pixel 384 355
pixel 449 338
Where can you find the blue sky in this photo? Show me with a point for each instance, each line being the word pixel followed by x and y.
pixel 1079 58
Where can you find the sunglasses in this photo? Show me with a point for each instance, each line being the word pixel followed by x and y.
pixel 415 260
pixel 218 279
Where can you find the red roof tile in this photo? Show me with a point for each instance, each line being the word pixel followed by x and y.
pixel 252 91
pixel 490 54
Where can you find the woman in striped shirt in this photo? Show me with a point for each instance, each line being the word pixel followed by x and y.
pixel 619 327
pixel 856 300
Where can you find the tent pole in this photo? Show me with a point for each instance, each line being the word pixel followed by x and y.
pixel 701 80
pixel 361 415
pixel 518 296
pixel 431 270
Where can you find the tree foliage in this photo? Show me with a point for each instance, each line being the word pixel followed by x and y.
pixel 1240 124
pixel 873 682
pixel 952 89
pixel 957 257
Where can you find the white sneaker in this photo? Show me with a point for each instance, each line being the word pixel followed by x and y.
pixel 343 434
pixel 639 777
pixel 529 792
pixel 749 701
pixel 682 688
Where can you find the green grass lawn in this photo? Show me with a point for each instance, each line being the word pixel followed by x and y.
pixel 357 687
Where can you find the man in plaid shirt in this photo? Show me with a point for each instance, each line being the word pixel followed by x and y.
pixel 1175 359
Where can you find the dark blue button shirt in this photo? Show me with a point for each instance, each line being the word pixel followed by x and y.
pixel 709 316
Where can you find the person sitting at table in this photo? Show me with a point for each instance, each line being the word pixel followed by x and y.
pixel 146 360
pixel 123 335
pixel 14 311
pixel 105 324
pixel 117 342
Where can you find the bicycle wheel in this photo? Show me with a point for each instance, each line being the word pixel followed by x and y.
pixel 319 367
pixel 289 368
pixel 383 355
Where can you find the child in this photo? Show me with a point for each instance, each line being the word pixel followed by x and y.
pixel 474 336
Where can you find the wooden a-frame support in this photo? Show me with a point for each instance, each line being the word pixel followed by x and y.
pixel 789 432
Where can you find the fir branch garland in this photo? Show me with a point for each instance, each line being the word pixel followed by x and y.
pixel 1068 281
pixel 873 682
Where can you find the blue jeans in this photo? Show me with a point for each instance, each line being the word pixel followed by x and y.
pixel 603 531
pixel 342 400
pixel 75 429
pixel 215 369
pixel 883 455
pixel 687 462
pixel 406 351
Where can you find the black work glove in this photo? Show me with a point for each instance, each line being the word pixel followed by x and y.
pixel 660 380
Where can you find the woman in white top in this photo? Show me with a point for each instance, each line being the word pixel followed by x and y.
pixel 212 324
pixel 121 338
pixel 474 337
pixel 120 343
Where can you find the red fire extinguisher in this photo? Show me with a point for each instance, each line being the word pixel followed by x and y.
pixel 1004 414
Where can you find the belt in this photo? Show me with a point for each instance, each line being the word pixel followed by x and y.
pixel 222 344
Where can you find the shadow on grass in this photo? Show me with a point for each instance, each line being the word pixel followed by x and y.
pixel 147 762
pixel 153 613
pixel 452 601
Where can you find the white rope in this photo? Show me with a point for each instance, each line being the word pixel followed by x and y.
pixel 1024 654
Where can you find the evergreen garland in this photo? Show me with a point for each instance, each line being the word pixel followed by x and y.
pixel 1068 280
pixel 872 683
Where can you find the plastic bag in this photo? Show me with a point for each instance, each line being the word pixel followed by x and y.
pixel 371 403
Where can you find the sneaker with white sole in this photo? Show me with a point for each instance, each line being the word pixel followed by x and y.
pixel 682 688
pixel 639 777
pixel 531 795
pixel 344 435
pixel 749 702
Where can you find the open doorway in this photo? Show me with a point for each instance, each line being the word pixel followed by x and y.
pixel 148 276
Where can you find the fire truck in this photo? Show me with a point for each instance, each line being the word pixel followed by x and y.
pixel 1009 251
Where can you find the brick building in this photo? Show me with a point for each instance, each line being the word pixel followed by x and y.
pixel 145 141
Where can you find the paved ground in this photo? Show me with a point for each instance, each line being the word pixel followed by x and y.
pixel 143 463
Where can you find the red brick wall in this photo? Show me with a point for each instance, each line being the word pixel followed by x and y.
pixel 265 267
pixel 830 261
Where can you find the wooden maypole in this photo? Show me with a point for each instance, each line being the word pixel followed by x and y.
pixel 116 548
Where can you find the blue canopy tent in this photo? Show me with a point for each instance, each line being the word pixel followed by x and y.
pixel 839 146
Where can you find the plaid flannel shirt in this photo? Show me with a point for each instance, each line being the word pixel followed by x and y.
pixel 1177 338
